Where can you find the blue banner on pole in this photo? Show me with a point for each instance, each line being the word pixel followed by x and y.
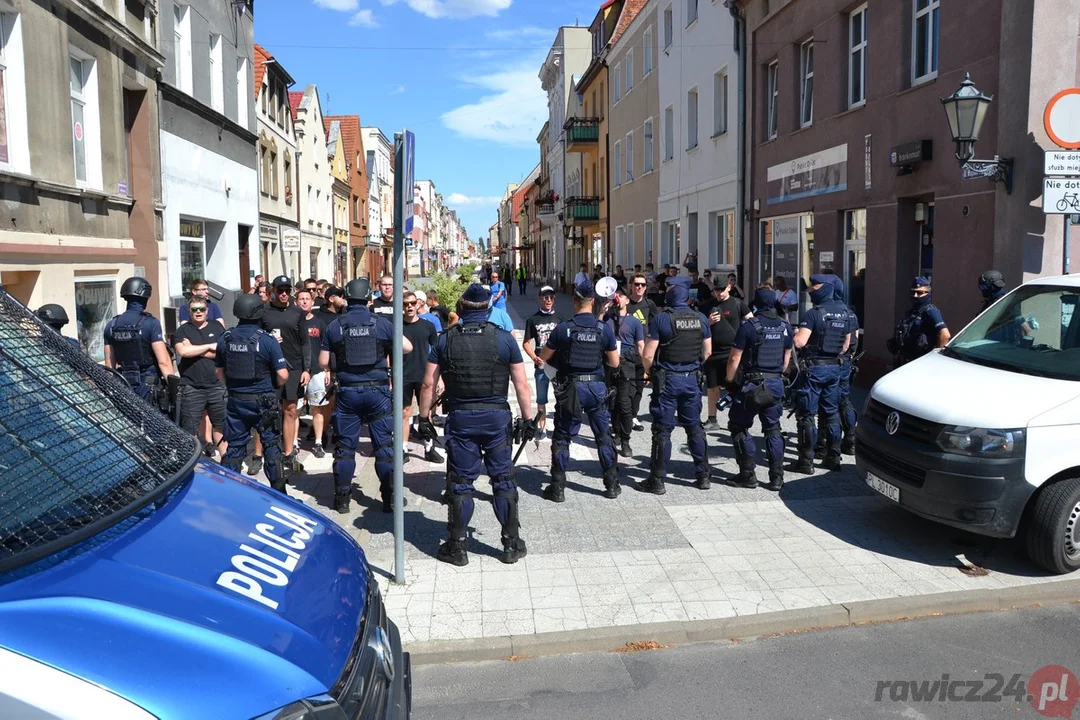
pixel 409 161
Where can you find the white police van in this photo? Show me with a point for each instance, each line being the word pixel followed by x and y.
pixel 984 434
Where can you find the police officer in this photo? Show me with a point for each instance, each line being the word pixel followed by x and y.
pixel 56 317
pixel 580 347
pixel 248 360
pixel 361 343
pixel 679 340
pixel 824 335
pixel 992 287
pixel 921 329
pixel 135 345
pixel 761 351
pixel 848 416
pixel 476 361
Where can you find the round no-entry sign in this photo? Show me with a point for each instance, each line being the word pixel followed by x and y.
pixel 78 131
pixel 1062 119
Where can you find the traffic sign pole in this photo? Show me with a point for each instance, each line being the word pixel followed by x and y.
pixel 1061 186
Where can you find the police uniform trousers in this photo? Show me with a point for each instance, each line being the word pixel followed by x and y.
pixel 591 398
pixel 741 419
pixel 848 416
pixel 261 412
pixel 475 437
pixel 143 383
pixel 818 388
pixel 358 405
pixel 678 398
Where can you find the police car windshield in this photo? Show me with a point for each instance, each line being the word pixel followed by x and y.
pixel 79 451
pixel 1034 330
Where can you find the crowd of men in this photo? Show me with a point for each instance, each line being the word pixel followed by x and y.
pixel 240 389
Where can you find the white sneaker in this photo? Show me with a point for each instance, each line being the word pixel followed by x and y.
pixel 637 425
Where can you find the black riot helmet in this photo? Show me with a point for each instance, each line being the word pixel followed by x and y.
pixel 248 307
pixel 358 290
pixel 53 315
pixel 136 288
pixel 991 283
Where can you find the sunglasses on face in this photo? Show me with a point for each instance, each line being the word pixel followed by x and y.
pixel 411 303
pixel 641 284
pixel 198 309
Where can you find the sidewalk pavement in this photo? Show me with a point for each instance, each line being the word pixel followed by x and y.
pixel 620 566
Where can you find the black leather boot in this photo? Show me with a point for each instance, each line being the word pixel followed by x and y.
pixel 703 481
pixel 746 479
pixel 611 485
pixel 341 501
pixel 653 485
pixel 453 552
pixel 556 489
pixel 776 480
pixel 513 550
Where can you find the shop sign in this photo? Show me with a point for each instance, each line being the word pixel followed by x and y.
pixel 290 240
pixel 191 229
pixel 817 174
pixel 911 153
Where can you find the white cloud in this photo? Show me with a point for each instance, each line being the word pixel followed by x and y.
pixel 454 8
pixel 511 114
pixel 460 199
pixel 363 18
pixel 340 5
pixel 398 90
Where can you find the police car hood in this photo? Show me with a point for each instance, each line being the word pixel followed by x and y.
pixel 149 610
pixel 954 392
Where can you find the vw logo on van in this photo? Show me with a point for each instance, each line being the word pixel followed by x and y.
pixel 892 423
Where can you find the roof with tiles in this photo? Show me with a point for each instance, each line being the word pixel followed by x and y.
pixel 349 132
pixel 295 98
pixel 261 58
pixel 630 10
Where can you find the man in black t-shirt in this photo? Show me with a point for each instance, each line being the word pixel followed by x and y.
pixel 422 335
pixel 333 306
pixel 318 399
pixel 642 308
pixel 384 304
pixel 726 313
pixel 699 291
pixel 538 328
pixel 441 311
pixel 282 319
pixel 195 343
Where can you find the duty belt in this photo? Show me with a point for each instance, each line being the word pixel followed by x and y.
pixel 586 378
pixel 825 361
pixel 450 406
pixel 683 373
pixel 251 396
pixel 756 376
pixel 365 384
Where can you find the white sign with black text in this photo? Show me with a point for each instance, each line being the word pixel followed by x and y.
pixel 1061 196
pixel 1061 162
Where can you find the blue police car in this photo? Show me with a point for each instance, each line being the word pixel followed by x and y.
pixel 139 581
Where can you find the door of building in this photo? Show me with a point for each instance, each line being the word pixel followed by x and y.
pixel 855 262
pixel 243 233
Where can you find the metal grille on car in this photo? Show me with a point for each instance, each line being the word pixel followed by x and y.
pixel 79 451
pixel 894 467
pixel 362 691
pixel 911 426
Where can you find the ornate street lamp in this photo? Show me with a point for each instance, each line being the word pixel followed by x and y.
pixel 966 110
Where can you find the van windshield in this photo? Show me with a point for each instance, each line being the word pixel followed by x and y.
pixel 1033 330
pixel 79 451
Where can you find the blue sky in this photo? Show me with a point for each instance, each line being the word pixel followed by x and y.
pixel 462 74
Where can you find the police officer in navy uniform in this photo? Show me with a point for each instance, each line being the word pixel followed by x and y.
pixel 823 337
pixel 56 317
pixel 679 341
pixel 135 345
pixel 248 361
pixel 922 328
pixel 361 343
pixel 848 416
pixel 476 361
pixel 992 287
pixel 761 351
pixel 579 348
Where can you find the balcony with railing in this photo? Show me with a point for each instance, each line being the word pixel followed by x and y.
pixel 582 211
pixel 582 134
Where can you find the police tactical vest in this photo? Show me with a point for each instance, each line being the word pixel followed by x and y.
pixel 835 319
pixel 768 352
pixel 853 325
pixel 472 368
pixel 133 351
pixel 242 360
pixel 359 346
pixel 909 334
pixel 586 351
pixel 684 347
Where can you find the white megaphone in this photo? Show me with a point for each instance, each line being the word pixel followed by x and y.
pixel 606 287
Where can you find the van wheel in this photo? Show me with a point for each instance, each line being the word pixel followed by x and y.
pixel 1053 535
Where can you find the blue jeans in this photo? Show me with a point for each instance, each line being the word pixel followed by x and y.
pixel 678 399
pixel 593 399
pixel 262 413
pixel 741 419
pixel 543 383
pixel 818 387
pixel 355 407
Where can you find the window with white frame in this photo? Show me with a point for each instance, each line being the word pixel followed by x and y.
pixel 629 67
pixel 857 57
pixel 806 83
pixel 772 91
pixel 924 40
pixel 182 47
pixel 669 30
pixel 217 71
pixel 242 96
pixel 691 11
pixel 616 83
pixel 629 149
pixel 647 146
pixel 692 233
pixel 618 164
pixel 691 119
pixel 14 129
pixel 629 259
pixel 620 244
pixel 647 238
pixel 669 133
pixel 722 238
pixel 720 103
pixel 85 124
pixel 647 52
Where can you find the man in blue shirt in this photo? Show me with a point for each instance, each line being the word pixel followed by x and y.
pixel 200 289
pixel 824 336
pixel 498 292
pixel 581 347
pixel 361 342
pixel 631 336
pixel 500 317
pixel 476 361
pixel 761 351
pixel 247 361
pixel 679 340
pixel 135 345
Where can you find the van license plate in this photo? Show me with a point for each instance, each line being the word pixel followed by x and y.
pixel 890 491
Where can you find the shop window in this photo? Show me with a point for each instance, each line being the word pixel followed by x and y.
pixel 95 305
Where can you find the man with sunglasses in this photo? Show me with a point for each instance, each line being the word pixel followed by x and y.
pixel 201 290
pixel 643 309
pixel 921 329
pixel 538 328
pixel 201 391
pixel 285 321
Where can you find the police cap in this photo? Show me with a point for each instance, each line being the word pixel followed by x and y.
pixel 991 279
pixel 54 315
pixel 136 288
pixel 358 289
pixel 248 307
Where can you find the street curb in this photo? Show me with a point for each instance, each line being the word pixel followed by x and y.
pixel 745 626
